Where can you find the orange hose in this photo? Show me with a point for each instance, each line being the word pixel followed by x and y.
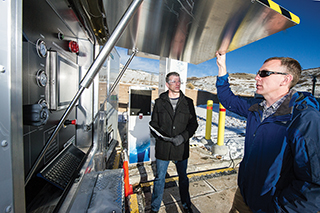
pixel 127 186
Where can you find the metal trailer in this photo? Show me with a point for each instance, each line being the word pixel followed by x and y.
pixel 57 131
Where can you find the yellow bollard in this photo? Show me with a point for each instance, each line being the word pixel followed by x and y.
pixel 209 119
pixel 221 124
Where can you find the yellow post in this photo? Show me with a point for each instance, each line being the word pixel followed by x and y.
pixel 221 124
pixel 209 119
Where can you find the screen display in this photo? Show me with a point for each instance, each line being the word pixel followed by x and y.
pixel 68 81
pixel 63 81
pixel 140 102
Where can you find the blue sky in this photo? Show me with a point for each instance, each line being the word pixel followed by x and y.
pixel 301 42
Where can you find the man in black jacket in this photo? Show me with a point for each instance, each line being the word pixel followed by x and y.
pixel 174 120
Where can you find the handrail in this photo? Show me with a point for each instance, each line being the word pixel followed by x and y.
pixel 90 75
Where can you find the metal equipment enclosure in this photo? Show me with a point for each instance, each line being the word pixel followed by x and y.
pixel 58 131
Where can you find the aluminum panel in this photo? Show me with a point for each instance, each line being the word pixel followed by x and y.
pixel 11 149
pixel 193 30
pixel 100 192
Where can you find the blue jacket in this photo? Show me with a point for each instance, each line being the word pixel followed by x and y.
pixel 280 170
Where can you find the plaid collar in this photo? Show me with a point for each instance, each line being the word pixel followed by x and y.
pixel 267 111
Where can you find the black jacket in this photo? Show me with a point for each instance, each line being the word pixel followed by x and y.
pixel 169 123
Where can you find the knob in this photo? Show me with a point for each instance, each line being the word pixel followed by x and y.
pixel 73 47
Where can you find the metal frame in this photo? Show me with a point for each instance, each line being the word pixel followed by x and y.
pixel 11 151
pixel 89 77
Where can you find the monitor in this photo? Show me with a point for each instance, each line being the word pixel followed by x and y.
pixel 63 81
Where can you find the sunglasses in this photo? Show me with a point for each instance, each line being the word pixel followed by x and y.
pixel 174 82
pixel 266 73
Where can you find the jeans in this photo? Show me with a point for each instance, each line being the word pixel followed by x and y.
pixel 159 183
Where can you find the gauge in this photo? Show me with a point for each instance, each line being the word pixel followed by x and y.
pixel 42 78
pixel 41 48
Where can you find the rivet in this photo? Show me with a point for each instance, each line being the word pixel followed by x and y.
pixel 8 209
pixel 2 69
pixel 4 143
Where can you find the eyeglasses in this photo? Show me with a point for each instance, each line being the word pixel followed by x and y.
pixel 174 82
pixel 266 73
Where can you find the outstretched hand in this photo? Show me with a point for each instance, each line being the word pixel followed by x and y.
pixel 221 62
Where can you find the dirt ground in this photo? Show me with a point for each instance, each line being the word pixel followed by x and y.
pixel 212 185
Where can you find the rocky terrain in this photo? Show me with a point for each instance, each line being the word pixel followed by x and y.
pixel 241 83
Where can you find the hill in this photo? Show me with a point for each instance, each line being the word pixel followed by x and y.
pixel 241 83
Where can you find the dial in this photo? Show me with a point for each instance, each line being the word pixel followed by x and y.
pixel 42 78
pixel 41 48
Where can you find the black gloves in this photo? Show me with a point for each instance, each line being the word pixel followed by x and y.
pixel 177 140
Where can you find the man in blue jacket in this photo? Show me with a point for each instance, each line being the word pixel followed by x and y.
pixel 280 170
pixel 175 121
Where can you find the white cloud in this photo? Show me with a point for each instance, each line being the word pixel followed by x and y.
pixel 138 63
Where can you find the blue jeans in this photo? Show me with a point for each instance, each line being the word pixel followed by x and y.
pixel 159 183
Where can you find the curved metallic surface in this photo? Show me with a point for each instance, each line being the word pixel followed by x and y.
pixel 193 30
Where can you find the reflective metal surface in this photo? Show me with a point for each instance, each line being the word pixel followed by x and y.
pixel 11 118
pixel 193 30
